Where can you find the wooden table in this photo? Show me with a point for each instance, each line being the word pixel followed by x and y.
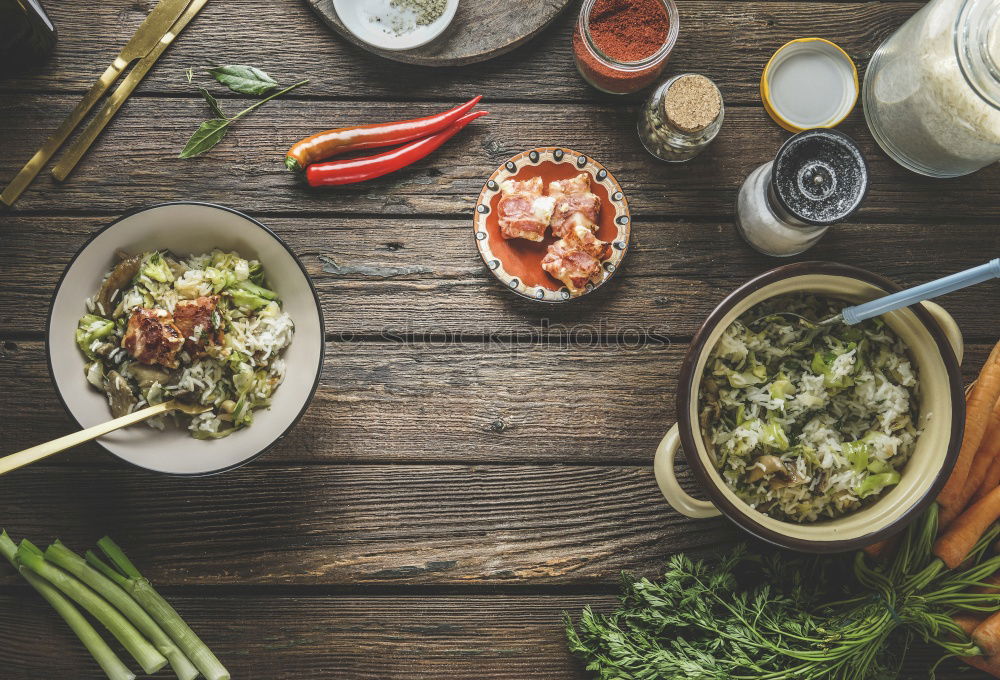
pixel 442 502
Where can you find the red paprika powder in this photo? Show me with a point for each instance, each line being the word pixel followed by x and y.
pixel 622 45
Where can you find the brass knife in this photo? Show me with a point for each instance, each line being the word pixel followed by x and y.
pixel 82 143
pixel 145 39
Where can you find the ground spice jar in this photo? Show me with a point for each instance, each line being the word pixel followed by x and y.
pixel 681 117
pixel 621 46
pixel 817 178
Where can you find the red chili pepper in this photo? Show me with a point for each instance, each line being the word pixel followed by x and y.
pixel 323 145
pixel 361 169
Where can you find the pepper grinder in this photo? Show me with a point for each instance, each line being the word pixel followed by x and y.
pixel 818 178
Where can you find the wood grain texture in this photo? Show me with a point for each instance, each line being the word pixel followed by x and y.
pixel 481 30
pixel 437 402
pixel 135 160
pixel 437 508
pixel 456 525
pixel 394 278
pixel 353 638
pixel 728 41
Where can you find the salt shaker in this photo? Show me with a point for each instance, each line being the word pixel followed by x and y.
pixel 681 117
pixel 817 178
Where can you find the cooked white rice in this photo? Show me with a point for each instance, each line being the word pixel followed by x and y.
pixel 807 422
pixel 237 377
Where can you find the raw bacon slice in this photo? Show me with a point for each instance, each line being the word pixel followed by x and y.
pixel 575 205
pixel 524 212
pixel 576 258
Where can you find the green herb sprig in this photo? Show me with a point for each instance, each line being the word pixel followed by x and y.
pixel 781 617
pixel 242 79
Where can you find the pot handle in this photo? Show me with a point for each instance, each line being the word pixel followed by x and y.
pixel 663 468
pixel 950 328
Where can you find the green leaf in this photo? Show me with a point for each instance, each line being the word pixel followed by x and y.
pixel 244 79
pixel 213 103
pixel 205 137
pixel 190 74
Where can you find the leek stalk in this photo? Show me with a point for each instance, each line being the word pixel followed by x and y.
pixel 128 577
pixel 61 556
pixel 146 654
pixel 98 648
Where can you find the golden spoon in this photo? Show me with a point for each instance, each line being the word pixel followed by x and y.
pixel 35 453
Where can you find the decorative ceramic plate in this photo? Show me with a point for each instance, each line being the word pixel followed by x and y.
pixel 373 21
pixel 517 263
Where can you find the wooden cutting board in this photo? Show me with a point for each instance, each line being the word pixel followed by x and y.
pixel 482 29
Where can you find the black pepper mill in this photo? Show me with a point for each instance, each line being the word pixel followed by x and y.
pixel 817 178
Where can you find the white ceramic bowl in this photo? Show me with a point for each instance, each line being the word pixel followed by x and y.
pixel 357 17
pixel 186 229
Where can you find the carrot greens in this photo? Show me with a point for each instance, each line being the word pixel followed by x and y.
pixel 784 617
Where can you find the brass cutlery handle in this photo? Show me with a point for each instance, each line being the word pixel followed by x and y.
pixel 52 144
pixel 64 166
pixel 36 453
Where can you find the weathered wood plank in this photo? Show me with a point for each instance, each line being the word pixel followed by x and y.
pixel 396 277
pixel 462 403
pixel 135 161
pixel 443 637
pixel 365 524
pixel 728 41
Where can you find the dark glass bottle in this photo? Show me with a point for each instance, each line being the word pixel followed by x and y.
pixel 27 35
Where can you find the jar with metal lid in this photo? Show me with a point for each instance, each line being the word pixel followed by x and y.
pixel 681 118
pixel 817 178
pixel 621 46
pixel 932 90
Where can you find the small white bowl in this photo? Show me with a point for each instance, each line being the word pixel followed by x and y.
pixel 186 229
pixel 357 16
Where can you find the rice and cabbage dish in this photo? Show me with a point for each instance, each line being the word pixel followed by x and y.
pixel 804 421
pixel 204 329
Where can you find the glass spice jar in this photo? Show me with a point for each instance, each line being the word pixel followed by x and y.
pixel 681 118
pixel 932 90
pixel 631 65
pixel 817 178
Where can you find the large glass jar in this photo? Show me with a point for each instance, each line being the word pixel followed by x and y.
pixel 932 90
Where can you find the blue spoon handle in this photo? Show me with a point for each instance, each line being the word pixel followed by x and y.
pixel 926 291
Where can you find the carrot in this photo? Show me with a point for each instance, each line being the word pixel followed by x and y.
pixel 967 622
pixel 883 549
pixel 989 450
pixel 985 665
pixel 947 515
pixel 967 529
pixel 987 635
pixel 991 480
pixel 980 403
pixel 985 455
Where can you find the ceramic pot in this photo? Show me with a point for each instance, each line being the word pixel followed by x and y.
pixel 935 345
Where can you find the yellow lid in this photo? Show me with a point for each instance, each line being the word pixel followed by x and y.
pixel 809 83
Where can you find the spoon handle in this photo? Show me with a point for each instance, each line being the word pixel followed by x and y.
pixel 926 291
pixel 35 453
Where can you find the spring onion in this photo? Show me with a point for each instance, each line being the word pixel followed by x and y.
pixel 61 556
pixel 98 648
pixel 125 574
pixel 146 654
